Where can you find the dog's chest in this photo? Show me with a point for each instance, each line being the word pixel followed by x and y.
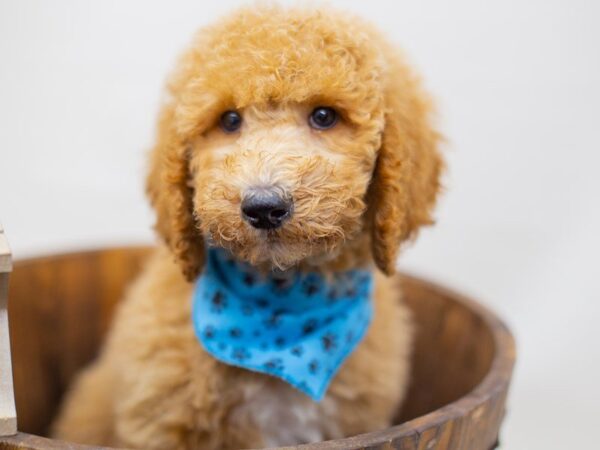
pixel 285 416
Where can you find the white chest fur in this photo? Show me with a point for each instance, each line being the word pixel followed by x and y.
pixel 285 416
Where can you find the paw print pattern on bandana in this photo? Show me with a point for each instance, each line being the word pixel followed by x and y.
pixel 209 332
pixel 309 326
pixel 274 320
pixel 236 333
pixel 240 354
pixel 329 342
pixel 299 327
pixel 274 365
pixel 218 302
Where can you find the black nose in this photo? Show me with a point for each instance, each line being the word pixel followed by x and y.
pixel 266 210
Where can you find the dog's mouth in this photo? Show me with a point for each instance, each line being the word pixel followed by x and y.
pixel 272 236
pixel 273 239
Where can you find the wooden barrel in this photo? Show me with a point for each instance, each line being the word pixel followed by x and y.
pixel 60 308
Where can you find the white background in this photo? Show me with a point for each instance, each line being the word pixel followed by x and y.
pixel 517 84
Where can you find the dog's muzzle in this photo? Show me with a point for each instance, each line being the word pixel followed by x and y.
pixel 266 208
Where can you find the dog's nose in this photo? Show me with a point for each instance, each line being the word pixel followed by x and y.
pixel 265 209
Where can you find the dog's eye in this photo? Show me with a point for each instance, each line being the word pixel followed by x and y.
pixel 230 121
pixel 323 118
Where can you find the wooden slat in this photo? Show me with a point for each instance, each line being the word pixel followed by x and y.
pixel 8 415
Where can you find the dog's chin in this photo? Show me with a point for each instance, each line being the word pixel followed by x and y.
pixel 273 250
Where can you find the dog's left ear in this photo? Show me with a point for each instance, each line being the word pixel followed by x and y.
pixel 406 178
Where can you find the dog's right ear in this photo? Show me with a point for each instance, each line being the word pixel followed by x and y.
pixel 171 196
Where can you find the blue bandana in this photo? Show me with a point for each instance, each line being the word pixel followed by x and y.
pixel 299 327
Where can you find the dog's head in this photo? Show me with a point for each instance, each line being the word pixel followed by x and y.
pixel 289 135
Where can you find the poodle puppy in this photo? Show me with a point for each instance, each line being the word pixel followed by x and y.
pixel 292 143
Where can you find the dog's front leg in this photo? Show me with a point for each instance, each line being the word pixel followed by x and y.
pixel 86 415
pixel 184 399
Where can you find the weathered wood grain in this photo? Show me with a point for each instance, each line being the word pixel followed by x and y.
pixel 60 308
pixel 8 416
